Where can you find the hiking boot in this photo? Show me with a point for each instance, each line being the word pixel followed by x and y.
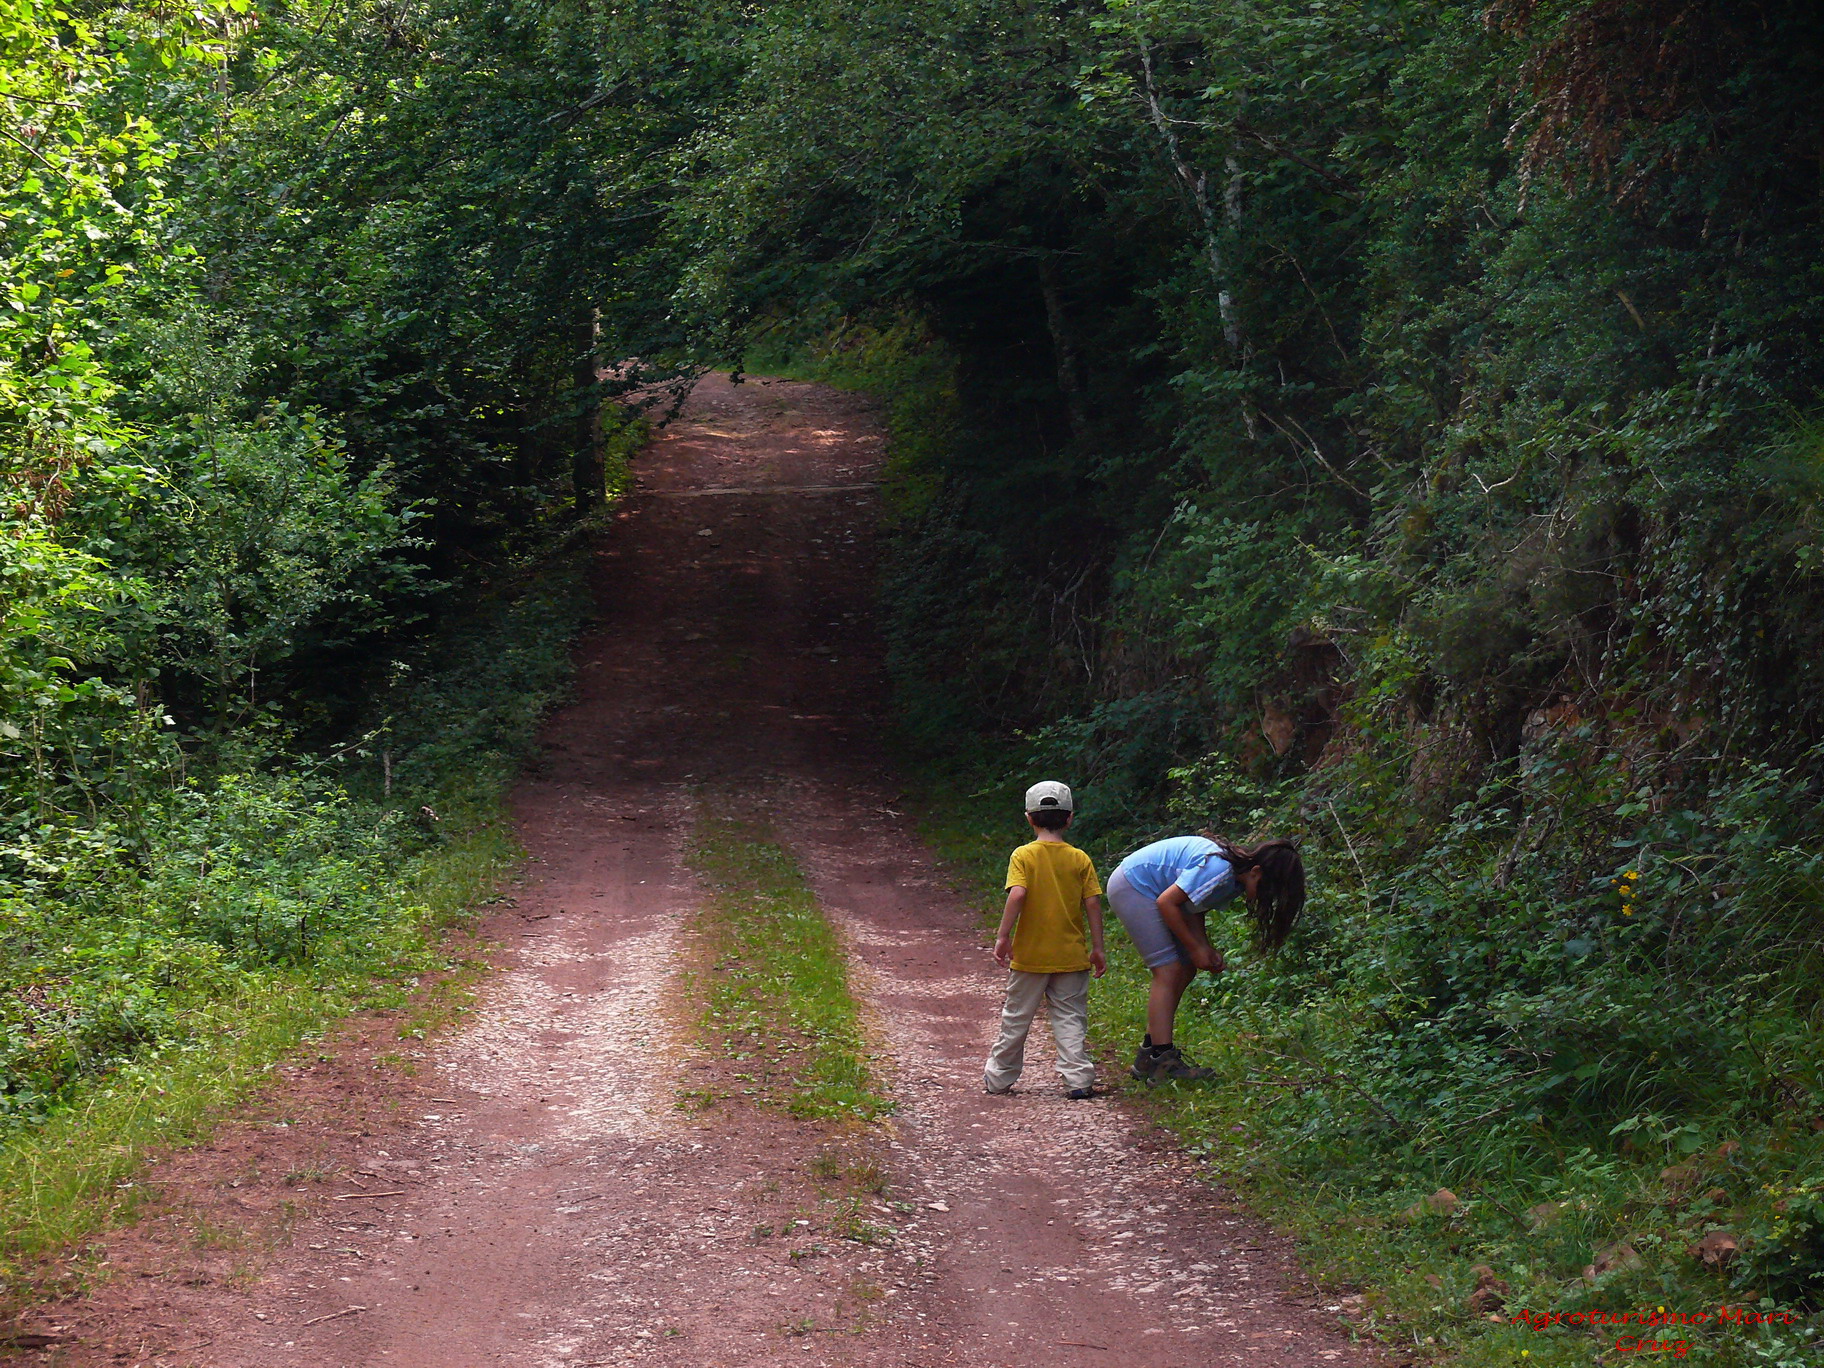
pixel 1170 1066
pixel 1080 1094
pixel 1143 1061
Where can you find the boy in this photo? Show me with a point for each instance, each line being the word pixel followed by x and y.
pixel 1051 892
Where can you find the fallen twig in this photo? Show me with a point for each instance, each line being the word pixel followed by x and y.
pixel 1332 1079
pixel 336 1315
pixel 1082 1344
pixel 345 1196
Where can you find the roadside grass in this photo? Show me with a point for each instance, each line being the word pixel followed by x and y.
pixel 76 1173
pixel 427 844
pixel 1537 1217
pixel 777 1004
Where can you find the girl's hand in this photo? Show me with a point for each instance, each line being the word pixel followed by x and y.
pixel 1003 951
pixel 1098 963
pixel 1207 958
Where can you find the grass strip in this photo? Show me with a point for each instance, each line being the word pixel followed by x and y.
pixel 778 1003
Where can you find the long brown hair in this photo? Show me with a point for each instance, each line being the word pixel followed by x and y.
pixel 1282 885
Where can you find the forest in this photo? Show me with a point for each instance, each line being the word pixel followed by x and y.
pixel 1393 423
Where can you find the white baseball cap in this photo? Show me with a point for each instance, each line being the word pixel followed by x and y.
pixel 1049 795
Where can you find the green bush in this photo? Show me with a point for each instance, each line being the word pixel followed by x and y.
pixel 120 937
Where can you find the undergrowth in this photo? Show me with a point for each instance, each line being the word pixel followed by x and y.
pixel 144 989
pixel 1407 1153
pixel 778 1006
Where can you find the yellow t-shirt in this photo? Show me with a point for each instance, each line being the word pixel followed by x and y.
pixel 1049 937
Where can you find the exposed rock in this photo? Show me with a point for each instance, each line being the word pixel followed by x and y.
pixel 1612 1258
pixel 1443 1202
pixel 1490 1294
pixel 1715 1249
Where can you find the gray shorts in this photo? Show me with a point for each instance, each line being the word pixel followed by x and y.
pixel 1140 915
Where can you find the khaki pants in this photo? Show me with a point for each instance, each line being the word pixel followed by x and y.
pixel 1068 995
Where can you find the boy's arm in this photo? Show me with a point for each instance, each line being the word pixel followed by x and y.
pixel 1010 916
pixel 1098 954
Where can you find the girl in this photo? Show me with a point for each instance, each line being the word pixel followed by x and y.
pixel 1161 893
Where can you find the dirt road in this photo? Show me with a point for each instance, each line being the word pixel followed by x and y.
pixel 535 1196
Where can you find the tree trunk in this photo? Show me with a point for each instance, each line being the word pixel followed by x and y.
pixel 1064 347
pixel 588 477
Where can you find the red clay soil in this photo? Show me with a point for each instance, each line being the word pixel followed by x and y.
pixel 533 1194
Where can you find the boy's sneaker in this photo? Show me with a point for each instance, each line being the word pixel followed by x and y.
pixel 1170 1066
pixel 1080 1094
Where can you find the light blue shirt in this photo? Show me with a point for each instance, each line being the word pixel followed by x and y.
pixel 1194 863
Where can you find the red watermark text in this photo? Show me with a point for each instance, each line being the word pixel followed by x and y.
pixel 1658 1321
